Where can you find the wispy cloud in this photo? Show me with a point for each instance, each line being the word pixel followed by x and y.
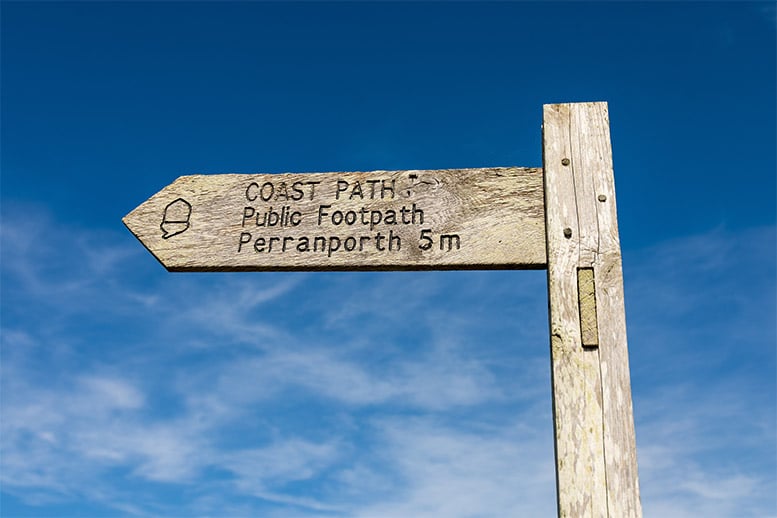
pixel 370 395
pixel 469 470
pixel 703 340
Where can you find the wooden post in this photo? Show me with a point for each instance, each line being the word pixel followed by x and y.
pixel 596 460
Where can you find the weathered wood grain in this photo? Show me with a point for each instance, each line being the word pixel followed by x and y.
pixel 487 218
pixel 577 405
pixel 591 123
pixel 595 441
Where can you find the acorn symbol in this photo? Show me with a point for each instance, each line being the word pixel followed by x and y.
pixel 176 218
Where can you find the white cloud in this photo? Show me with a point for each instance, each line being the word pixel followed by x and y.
pixel 110 393
pixel 702 341
pixel 474 470
pixel 365 395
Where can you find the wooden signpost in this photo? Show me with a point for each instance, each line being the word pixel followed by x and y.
pixel 561 217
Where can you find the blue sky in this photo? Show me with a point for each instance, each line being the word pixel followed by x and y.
pixel 130 391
